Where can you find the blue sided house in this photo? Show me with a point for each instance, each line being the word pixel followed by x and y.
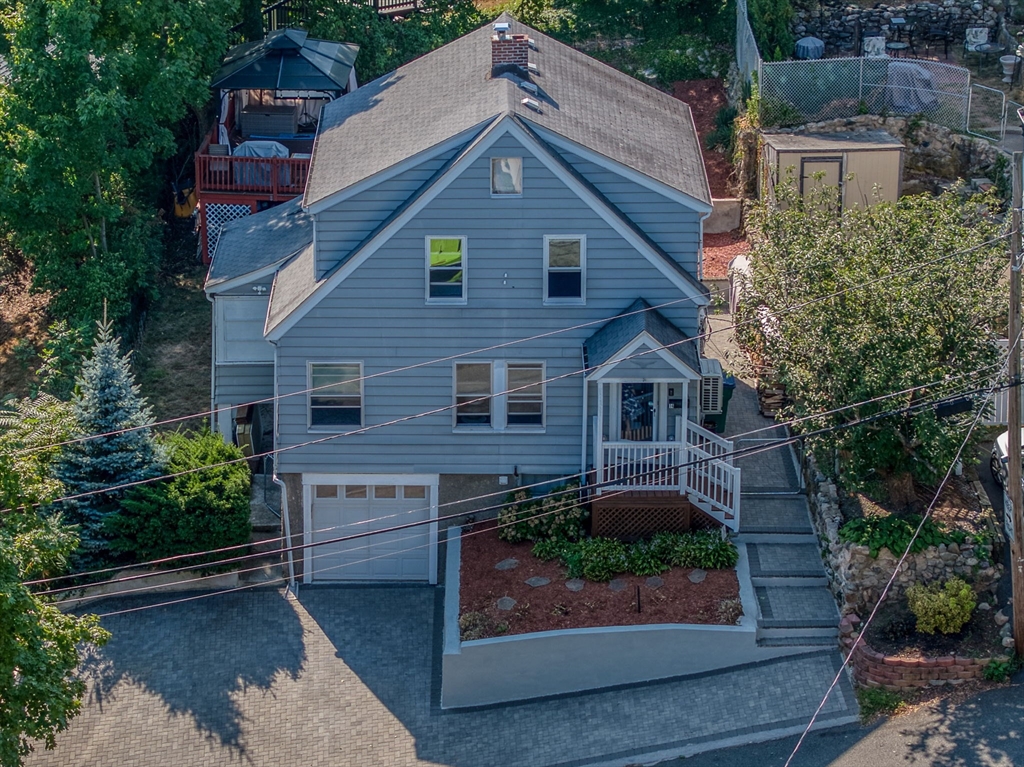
pixel 492 279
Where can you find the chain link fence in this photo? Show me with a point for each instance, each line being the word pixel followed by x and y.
pixel 802 91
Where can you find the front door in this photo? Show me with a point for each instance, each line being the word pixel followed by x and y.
pixel 637 416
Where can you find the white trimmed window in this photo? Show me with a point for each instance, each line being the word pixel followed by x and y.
pixel 336 395
pixel 446 270
pixel 565 269
pixel 473 398
pixel 506 176
pixel 525 399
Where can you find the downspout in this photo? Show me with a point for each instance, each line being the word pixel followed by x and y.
pixel 586 417
pixel 285 516
pixel 213 364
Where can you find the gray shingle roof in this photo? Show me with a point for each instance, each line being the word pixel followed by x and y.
pixel 254 242
pixel 450 90
pixel 293 283
pixel 638 318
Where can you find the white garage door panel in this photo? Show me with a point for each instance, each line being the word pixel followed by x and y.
pixel 396 555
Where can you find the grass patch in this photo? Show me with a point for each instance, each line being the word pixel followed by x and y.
pixel 874 701
pixel 172 366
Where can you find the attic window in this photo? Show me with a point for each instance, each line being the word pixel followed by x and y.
pixel 506 175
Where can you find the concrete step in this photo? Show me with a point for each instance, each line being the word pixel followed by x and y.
pixel 804 632
pixel 811 641
pixel 766 537
pixel 787 606
pixel 785 560
pixel 789 581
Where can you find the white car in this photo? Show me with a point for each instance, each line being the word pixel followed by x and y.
pixel 997 462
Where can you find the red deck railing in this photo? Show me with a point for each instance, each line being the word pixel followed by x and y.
pixel 273 177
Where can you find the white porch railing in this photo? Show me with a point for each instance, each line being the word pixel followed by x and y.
pixel 711 483
pixel 708 441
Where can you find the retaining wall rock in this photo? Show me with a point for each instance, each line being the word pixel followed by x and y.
pixel 841 25
pixel 857 579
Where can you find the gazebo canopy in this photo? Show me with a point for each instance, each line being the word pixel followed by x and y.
pixel 287 60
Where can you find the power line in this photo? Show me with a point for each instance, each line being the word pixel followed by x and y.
pixel 735 437
pixel 507 344
pixel 452 406
pixel 898 568
pixel 743 452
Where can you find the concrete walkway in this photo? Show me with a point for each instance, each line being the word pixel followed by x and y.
pixel 349 676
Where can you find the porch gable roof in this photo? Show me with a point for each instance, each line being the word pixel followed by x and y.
pixel 629 328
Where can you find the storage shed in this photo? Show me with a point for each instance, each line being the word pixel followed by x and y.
pixel 855 162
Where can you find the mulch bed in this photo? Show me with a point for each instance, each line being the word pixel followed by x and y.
pixel 958 506
pixel 554 606
pixel 719 250
pixel 705 98
pixel 977 639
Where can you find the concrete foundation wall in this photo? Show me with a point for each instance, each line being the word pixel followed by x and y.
pixel 504 669
pixel 726 215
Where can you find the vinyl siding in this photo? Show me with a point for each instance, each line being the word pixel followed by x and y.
pixel 378 315
pixel 238 384
pixel 343 227
pixel 674 227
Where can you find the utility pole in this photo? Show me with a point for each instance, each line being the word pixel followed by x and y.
pixel 1016 491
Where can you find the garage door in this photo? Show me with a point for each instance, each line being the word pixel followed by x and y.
pixel 347 509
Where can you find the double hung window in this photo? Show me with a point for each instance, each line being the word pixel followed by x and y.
pixel 446 270
pixel 473 398
pixel 565 270
pixel 525 397
pixel 506 176
pixel 336 394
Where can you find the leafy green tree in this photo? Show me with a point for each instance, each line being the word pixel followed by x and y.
pixel 770 21
pixel 107 403
pixel 931 314
pixel 39 645
pixel 651 20
pixel 94 92
pixel 193 512
pixel 387 43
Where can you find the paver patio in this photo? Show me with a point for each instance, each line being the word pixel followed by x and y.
pixel 349 676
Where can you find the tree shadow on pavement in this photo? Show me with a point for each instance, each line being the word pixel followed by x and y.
pixel 198 657
pixel 987 729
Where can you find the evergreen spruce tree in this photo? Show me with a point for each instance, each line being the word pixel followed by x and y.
pixel 108 400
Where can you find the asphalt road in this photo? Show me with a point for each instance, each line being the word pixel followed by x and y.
pixel 986 730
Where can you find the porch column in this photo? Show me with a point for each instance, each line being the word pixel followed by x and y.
pixel 599 435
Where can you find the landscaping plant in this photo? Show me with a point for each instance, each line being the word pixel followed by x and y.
pixel 200 510
pixel 108 404
pixel 945 608
pixel 917 296
pixel 558 513
pixel 875 700
pixel 894 533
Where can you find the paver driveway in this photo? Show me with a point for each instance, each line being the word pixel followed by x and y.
pixel 348 676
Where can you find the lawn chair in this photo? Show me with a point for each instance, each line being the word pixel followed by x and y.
pixel 976 37
pixel 874 47
pixel 939 33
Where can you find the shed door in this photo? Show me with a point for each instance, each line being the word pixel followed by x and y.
pixel 341 510
pixel 830 170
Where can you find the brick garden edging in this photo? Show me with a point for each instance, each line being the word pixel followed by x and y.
pixel 873 669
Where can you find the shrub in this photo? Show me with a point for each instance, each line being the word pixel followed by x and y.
pixel 725 128
pixel 894 533
pixel 557 514
pixel 706 549
pixel 550 548
pixel 642 559
pixel 1000 670
pixel 945 608
pixel 202 510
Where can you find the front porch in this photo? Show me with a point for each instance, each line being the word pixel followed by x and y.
pixel 648 390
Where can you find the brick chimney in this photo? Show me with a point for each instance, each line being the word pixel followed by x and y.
pixel 508 51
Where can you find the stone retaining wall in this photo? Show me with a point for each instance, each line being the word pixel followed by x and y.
pixel 857 579
pixel 930 149
pixel 841 25
pixel 873 669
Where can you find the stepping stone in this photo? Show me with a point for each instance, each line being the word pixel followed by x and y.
pixel 576 584
pixel 506 603
pixel 618 585
pixel 537 581
pixel 697 576
pixel 655 582
pixel 507 564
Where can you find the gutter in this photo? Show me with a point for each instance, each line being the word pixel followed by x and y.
pixel 285 516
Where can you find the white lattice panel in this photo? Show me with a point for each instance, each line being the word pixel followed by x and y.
pixel 218 214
